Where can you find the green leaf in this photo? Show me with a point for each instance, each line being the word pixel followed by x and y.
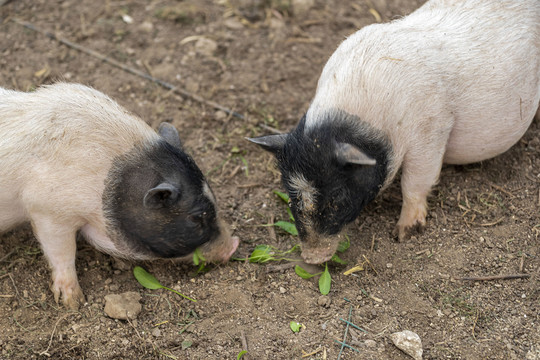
pixel 150 282
pixel 146 279
pixel 186 344
pixel 335 258
pixel 240 354
pixel 198 257
pixel 325 281
pixel 287 226
pixel 295 326
pixel 291 216
pixel 303 273
pixel 261 254
pixel 344 245
pixel 282 196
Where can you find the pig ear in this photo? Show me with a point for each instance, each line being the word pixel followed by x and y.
pixel 170 134
pixel 350 154
pixel 163 195
pixel 272 143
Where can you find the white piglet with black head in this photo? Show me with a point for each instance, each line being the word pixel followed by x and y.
pixel 456 81
pixel 72 159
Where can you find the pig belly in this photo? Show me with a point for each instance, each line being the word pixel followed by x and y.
pixel 471 142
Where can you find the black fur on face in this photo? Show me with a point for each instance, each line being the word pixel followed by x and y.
pixel 154 198
pixel 337 190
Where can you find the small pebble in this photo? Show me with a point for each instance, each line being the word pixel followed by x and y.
pixel 324 301
pixel 370 343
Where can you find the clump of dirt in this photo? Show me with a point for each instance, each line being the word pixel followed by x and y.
pixel 262 59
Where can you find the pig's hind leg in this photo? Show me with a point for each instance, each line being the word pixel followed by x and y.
pixel 59 245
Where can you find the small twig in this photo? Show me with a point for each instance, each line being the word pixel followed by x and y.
pixel 243 339
pixel 45 352
pixel 474 324
pixel 305 354
pixel 486 224
pixel 7 255
pixel 497 187
pixel 271 129
pixel 271 229
pixel 495 277
pixel 128 69
pixel 521 262
pixel 247 186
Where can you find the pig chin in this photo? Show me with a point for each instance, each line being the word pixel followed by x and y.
pixel 318 248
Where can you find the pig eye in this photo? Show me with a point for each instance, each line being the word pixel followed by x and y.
pixel 200 218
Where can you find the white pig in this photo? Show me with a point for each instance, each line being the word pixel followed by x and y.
pixel 456 81
pixel 71 159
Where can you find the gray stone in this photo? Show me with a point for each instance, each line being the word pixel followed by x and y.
pixel 123 306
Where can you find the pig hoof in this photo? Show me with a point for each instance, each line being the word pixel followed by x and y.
pixel 404 232
pixel 72 296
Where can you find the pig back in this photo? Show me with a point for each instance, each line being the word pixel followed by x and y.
pixel 57 145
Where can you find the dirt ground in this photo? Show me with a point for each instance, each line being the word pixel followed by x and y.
pixel 263 59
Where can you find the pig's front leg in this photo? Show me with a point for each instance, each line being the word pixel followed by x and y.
pixel 59 245
pixel 421 169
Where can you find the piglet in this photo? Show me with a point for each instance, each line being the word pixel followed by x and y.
pixel 72 159
pixel 456 81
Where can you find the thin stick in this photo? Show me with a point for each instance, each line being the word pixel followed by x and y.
pixel 243 339
pixel 495 277
pixel 305 354
pixel 497 187
pixel 271 230
pixel 45 352
pixel 271 129
pixel 128 69
pixel 7 255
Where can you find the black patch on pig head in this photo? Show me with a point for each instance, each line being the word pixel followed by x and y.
pixel 330 171
pixel 154 199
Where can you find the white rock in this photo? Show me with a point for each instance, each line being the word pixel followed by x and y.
pixel 408 342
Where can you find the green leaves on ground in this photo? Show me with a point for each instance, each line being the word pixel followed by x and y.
pixel 325 281
pixel 303 273
pixel 288 226
pixel 241 354
pixel 265 253
pixel 150 282
pixel 295 326
pixel 199 260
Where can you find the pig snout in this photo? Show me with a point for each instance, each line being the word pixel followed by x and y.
pixel 221 248
pixel 318 248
